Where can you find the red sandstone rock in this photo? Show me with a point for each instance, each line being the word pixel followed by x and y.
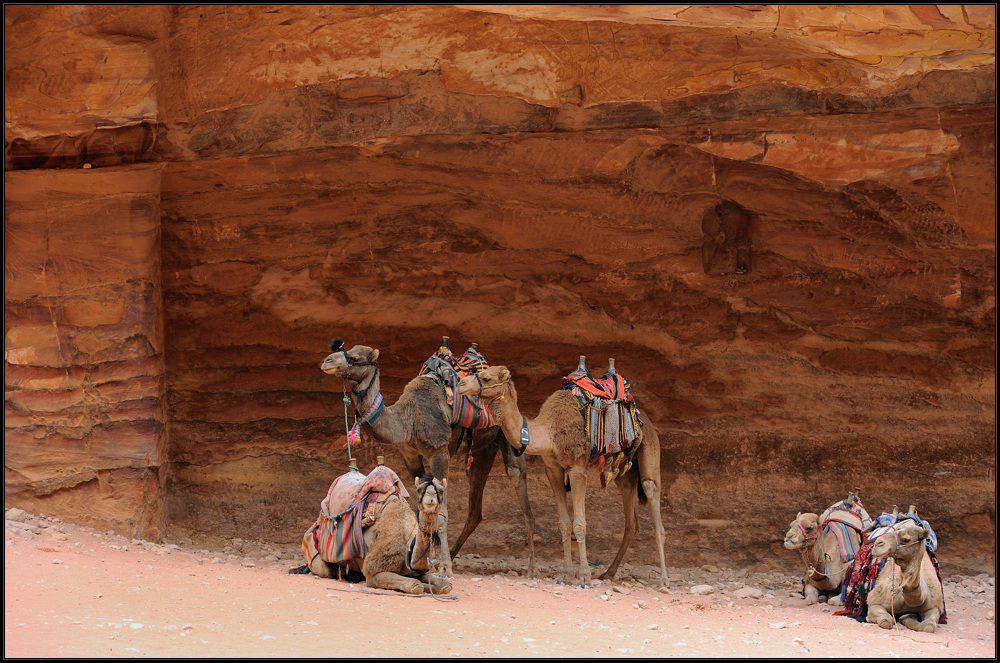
pixel 540 180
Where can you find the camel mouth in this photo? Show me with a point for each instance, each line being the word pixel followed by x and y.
pixel 792 545
pixel 332 365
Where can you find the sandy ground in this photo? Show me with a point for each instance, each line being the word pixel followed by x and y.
pixel 71 591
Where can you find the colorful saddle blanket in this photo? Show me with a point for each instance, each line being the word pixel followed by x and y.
pixel 847 520
pixel 863 571
pixel 447 370
pixel 610 418
pixel 352 503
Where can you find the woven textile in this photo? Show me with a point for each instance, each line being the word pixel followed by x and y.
pixel 337 535
pixel 447 370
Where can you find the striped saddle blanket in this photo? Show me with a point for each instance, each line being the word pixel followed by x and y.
pixel 847 520
pixel 447 370
pixel 352 503
pixel 610 418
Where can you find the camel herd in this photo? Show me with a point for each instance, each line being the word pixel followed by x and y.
pixel 898 583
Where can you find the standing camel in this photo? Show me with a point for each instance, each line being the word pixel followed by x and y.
pixel 558 436
pixel 419 422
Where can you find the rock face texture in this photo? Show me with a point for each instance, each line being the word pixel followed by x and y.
pixel 779 220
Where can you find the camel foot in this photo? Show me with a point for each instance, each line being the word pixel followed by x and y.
pixel 885 623
pixel 835 601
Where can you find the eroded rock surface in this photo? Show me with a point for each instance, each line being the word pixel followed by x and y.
pixel 779 220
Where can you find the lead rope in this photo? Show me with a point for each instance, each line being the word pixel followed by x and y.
pixel 351 463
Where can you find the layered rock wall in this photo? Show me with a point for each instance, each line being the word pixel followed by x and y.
pixel 780 221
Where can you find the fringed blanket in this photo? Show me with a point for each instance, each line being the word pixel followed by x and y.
pixel 351 504
pixel 864 570
pixel 610 419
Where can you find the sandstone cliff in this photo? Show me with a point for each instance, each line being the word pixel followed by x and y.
pixel 779 220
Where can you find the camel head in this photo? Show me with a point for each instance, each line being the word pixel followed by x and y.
pixel 803 529
pixel 354 364
pixel 430 497
pixel 489 384
pixel 901 540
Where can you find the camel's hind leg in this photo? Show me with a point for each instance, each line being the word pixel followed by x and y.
pixel 555 477
pixel 628 484
pixel 479 472
pixel 648 461
pixel 517 470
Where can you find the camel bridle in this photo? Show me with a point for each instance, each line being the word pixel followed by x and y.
pixel 501 383
pixel 338 346
pixel 811 571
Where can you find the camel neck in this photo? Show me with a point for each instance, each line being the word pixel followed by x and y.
pixel 511 420
pixel 422 544
pixel 909 569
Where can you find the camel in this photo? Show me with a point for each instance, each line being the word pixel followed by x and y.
pixel 419 422
pixel 398 544
pixel 820 549
pixel 908 588
pixel 558 436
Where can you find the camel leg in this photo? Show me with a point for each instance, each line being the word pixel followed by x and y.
pixel 927 622
pixel 482 463
pixel 812 594
pixel 652 489
pixel 394 581
pixel 517 470
pixel 433 584
pixel 630 503
pixel 578 486
pixel 877 614
pixel 320 568
pixel 439 468
pixel 555 477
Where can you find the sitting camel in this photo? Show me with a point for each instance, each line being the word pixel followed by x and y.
pixel 397 544
pixel 420 423
pixel 559 437
pixel 828 544
pixel 908 588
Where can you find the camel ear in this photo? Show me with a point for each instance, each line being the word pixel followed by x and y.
pixel 416 482
pixel 444 483
pixel 504 373
pixel 374 355
pixel 798 515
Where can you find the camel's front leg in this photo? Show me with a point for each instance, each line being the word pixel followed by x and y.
pixel 439 468
pixel 396 582
pixel 517 470
pixel 433 584
pixel 627 484
pixel 555 477
pixel 578 486
pixel 811 593
pixel 927 622
pixel 877 614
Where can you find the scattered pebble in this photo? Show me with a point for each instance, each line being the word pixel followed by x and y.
pixel 703 590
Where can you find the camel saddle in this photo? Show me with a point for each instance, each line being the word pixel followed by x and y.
pixel 447 369
pixel 352 503
pixel 610 419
